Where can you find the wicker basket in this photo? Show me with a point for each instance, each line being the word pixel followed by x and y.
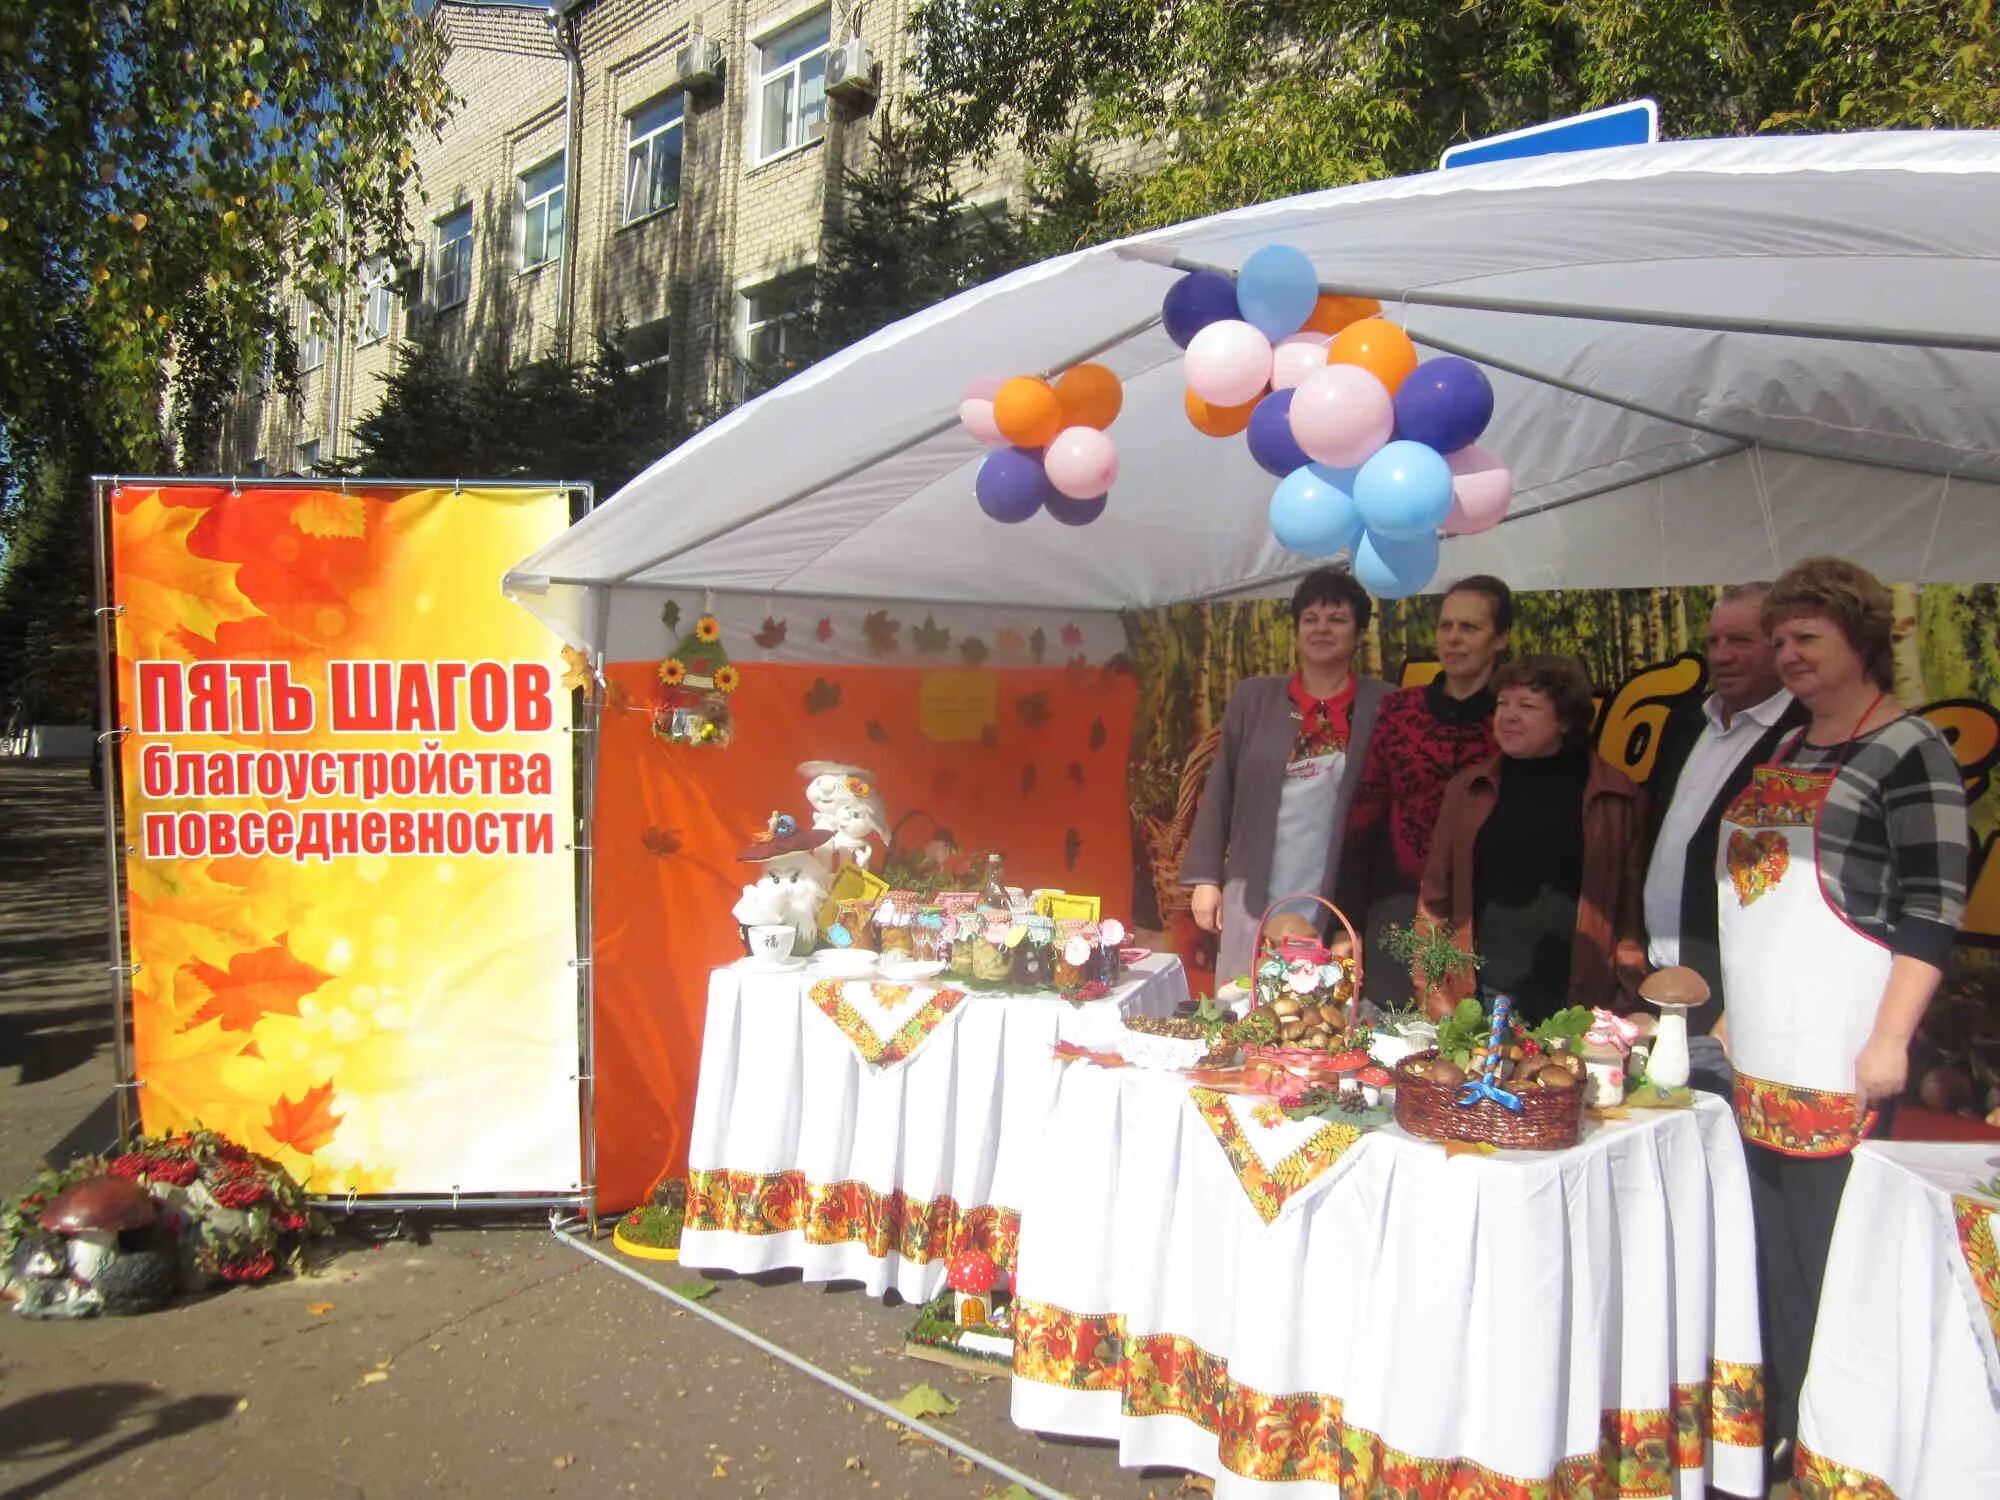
pixel 1549 1119
pixel 1352 961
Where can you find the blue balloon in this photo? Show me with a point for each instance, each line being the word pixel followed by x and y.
pixel 1271 440
pixel 1011 484
pixel 1277 289
pixel 1444 403
pixel 1195 301
pixel 1404 490
pixel 1312 513
pixel 1395 567
pixel 1074 512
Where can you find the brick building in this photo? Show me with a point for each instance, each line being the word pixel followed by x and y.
pixel 662 168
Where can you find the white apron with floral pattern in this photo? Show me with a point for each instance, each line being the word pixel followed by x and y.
pixel 1804 983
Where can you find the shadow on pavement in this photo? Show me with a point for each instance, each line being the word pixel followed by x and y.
pixel 78 1421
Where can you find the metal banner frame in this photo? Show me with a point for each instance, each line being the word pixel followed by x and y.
pixel 583 730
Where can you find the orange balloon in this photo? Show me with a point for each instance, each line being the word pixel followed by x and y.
pixel 1028 412
pixel 1331 313
pixel 1091 396
pixel 1219 421
pixel 1377 346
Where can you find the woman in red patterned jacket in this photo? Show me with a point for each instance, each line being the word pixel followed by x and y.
pixel 1423 738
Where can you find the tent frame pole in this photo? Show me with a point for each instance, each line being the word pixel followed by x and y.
pixel 587 759
pixel 110 735
pixel 1538 307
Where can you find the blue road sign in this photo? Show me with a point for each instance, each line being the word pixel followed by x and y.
pixel 1634 124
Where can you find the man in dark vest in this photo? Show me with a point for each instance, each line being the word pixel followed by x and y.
pixel 1708 748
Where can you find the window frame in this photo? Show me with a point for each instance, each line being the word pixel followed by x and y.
pixel 312 341
pixel 308 464
pixel 676 124
pixel 798 281
pixel 450 275
pixel 377 291
pixel 795 139
pixel 553 202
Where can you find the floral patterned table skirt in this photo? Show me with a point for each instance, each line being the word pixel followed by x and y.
pixel 1902 1398
pixel 812 1149
pixel 1581 1323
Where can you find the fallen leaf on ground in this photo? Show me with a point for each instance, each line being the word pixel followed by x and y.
pixel 925 1400
pixel 319 1309
pixel 860 1370
pixel 720 1471
pixel 961 1466
pixel 562 1460
pixel 694 1290
pixel 853 1461
pixel 243 1404
pixel 1012 1492
pixel 375 1377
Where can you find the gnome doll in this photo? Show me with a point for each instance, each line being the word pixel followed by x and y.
pixel 792 888
pixel 845 802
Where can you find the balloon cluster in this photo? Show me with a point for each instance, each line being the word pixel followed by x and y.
pixel 1050 449
pixel 1374 451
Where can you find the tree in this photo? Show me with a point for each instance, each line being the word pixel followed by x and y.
pixel 166 166
pixel 550 418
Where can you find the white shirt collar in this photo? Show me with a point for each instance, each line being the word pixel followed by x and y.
pixel 1763 715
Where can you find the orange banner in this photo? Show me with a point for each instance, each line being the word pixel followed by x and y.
pixel 348 808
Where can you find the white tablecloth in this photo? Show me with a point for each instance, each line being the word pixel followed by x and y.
pixel 1523 1324
pixel 804 1154
pixel 1902 1397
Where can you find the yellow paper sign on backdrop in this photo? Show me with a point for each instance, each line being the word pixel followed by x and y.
pixel 852 884
pixel 957 707
pixel 347 799
pixel 1063 906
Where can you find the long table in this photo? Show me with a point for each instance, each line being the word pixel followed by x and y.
pixel 1269 1302
pixel 865 1132
pixel 1902 1395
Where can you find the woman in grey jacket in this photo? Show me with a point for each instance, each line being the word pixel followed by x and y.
pixel 1275 806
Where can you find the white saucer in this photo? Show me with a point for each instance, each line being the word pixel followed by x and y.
pixel 844 963
pixel 768 965
pixel 909 971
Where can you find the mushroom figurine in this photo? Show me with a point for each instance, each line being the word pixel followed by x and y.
pixel 101 1250
pixel 971 1277
pixel 1373 1080
pixel 1675 991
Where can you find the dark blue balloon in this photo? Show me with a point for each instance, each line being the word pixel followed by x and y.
pixel 1075 512
pixel 1444 404
pixel 1011 484
pixel 1195 301
pixel 1271 440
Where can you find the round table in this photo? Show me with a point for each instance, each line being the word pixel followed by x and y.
pixel 864 1132
pixel 1307 1305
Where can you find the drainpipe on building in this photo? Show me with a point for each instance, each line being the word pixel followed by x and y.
pixel 337 353
pixel 562 30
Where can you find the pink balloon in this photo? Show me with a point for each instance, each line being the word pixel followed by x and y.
pixel 1481 490
pixel 984 387
pixel 1297 358
pixel 1341 415
pixel 1228 363
pixel 975 414
pixel 1082 462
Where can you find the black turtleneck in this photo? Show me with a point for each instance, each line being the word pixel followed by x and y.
pixel 1460 713
pixel 1527 869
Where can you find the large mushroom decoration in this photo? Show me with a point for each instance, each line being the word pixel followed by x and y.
pixel 972 1276
pixel 101 1250
pixel 1675 992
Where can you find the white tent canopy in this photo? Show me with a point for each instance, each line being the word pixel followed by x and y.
pixel 1710 358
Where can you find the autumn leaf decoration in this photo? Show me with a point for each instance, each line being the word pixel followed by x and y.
pixel 307 1124
pixel 1033 708
pixel 771 634
pixel 876 732
pixel 1072 635
pixel 823 631
pixel 824 695
pixel 661 843
pixel 1027 778
pixel 1098 734
pixel 884 635
pixel 1010 641
pixel 931 638
pixel 670 615
pixel 577 674
pixel 972 650
pixel 1038 644
pixel 268 982
pixel 1076 773
pixel 1072 847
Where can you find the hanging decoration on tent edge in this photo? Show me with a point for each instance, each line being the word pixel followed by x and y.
pixel 1375 451
pixel 1050 447
pixel 691 701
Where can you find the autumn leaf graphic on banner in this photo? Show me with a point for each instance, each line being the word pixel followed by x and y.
pixel 174 599
pixel 883 633
pixel 329 513
pixel 182 1069
pixel 931 638
pixel 771 634
pixel 973 650
pixel 268 982
pixel 307 1124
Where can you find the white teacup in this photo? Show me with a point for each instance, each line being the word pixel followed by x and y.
pixel 772 942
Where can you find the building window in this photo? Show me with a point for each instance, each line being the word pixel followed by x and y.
pixel 647 347
pixel 771 313
pixel 454 271
pixel 653 157
pixel 792 85
pixel 375 295
pixel 312 347
pixel 542 214
pixel 256 469
pixel 309 456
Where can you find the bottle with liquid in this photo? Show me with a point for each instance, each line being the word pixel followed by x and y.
pixel 994 893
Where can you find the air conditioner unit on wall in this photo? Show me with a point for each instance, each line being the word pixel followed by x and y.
pixel 698 65
pixel 850 70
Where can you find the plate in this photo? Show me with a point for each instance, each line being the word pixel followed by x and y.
pixel 768 965
pixel 911 970
pixel 847 963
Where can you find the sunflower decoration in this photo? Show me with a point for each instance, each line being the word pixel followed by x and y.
pixel 696 679
pixel 707 630
pixel 727 678
pixel 672 672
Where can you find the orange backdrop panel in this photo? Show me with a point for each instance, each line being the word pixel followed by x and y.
pixel 1045 786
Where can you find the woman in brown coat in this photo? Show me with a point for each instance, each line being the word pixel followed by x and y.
pixel 1537 861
